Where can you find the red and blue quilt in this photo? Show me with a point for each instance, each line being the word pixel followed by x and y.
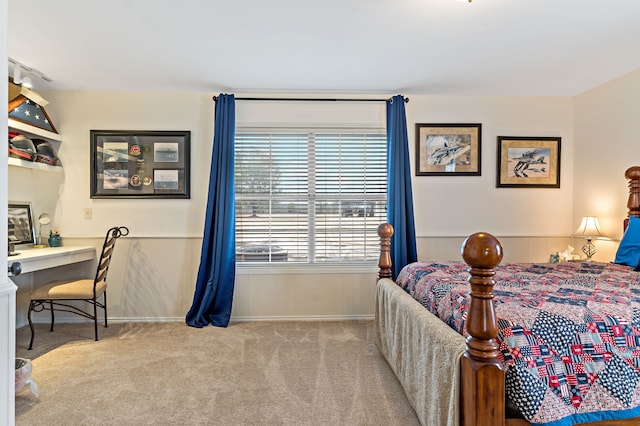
pixel 569 333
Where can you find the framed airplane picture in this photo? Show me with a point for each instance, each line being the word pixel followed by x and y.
pixel 528 162
pixel 448 149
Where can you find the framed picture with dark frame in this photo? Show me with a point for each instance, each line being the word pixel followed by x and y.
pixel 448 149
pixel 20 218
pixel 528 162
pixel 140 164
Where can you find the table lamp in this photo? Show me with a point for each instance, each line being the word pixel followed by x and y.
pixel 589 229
pixel 43 219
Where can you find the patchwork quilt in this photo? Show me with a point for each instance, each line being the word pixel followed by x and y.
pixel 569 333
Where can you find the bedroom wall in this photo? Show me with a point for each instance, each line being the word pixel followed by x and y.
pixel 458 205
pixel 153 273
pixel 532 222
pixel 607 129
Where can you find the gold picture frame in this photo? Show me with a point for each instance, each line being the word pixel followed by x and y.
pixel 528 162
pixel 448 149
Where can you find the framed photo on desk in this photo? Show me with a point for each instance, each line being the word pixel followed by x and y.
pixel 21 229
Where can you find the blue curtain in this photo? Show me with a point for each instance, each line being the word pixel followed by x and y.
pixel 400 198
pixel 216 275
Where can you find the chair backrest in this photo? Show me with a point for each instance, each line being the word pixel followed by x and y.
pixel 107 250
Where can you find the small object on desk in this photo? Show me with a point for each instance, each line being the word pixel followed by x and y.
pixel 43 219
pixel 55 240
pixel 11 249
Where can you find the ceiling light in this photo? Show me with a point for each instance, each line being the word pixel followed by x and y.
pixel 26 82
pixel 16 74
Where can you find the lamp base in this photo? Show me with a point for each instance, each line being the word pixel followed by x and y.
pixel 589 250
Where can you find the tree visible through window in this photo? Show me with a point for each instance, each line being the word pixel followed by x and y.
pixel 309 197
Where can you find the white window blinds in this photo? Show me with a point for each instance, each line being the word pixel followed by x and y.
pixel 309 196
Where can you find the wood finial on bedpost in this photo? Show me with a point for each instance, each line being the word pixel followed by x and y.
pixel 482 396
pixel 385 231
pixel 482 252
pixel 633 204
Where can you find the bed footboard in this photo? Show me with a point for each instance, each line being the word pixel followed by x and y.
pixel 482 397
pixel 385 232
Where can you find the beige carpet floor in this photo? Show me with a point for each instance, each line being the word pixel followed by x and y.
pixel 252 373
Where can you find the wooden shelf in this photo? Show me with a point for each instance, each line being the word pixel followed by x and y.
pixel 32 131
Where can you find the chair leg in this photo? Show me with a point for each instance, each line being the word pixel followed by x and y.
pixel 31 303
pixel 52 315
pixel 105 310
pixel 95 317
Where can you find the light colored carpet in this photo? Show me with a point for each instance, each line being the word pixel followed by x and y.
pixel 252 373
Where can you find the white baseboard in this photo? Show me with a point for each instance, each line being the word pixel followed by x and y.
pixel 304 318
pixel 233 319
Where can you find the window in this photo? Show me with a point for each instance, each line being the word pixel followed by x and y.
pixel 309 196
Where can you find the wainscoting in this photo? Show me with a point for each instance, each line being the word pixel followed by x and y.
pixel 152 279
pixel 515 249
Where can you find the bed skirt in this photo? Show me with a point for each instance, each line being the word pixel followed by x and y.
pixel 423 352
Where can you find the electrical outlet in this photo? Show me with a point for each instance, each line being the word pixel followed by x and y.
pixel 88 213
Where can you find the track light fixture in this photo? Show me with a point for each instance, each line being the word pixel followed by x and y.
pixel 23 74
pixel 18 79
pixel 27 82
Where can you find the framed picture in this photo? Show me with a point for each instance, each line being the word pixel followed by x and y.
pixel 135 164
pixel 21 229
pixel 448 149
pixel 528 162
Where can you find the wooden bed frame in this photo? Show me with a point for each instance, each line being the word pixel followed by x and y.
pixel 482 388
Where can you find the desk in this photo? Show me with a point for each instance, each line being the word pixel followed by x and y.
pixel 42 265
pixel 32 261
pixel 50 257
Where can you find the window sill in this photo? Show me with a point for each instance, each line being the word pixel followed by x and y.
pixel 305 268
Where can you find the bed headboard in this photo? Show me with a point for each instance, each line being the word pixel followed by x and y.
pixel 633 203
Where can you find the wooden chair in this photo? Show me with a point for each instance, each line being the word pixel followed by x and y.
pixel 55 295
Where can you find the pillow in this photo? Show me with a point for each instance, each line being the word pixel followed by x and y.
pixel 629 249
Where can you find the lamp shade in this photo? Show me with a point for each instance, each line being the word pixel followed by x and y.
pixel 589 228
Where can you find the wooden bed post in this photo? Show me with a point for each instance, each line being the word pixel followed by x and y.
pixel 385 231
pixel 633 203
pixel 482 398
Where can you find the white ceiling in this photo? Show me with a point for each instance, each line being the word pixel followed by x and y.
pixel 438 47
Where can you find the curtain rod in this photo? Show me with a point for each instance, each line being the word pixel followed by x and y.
pixel 406 100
